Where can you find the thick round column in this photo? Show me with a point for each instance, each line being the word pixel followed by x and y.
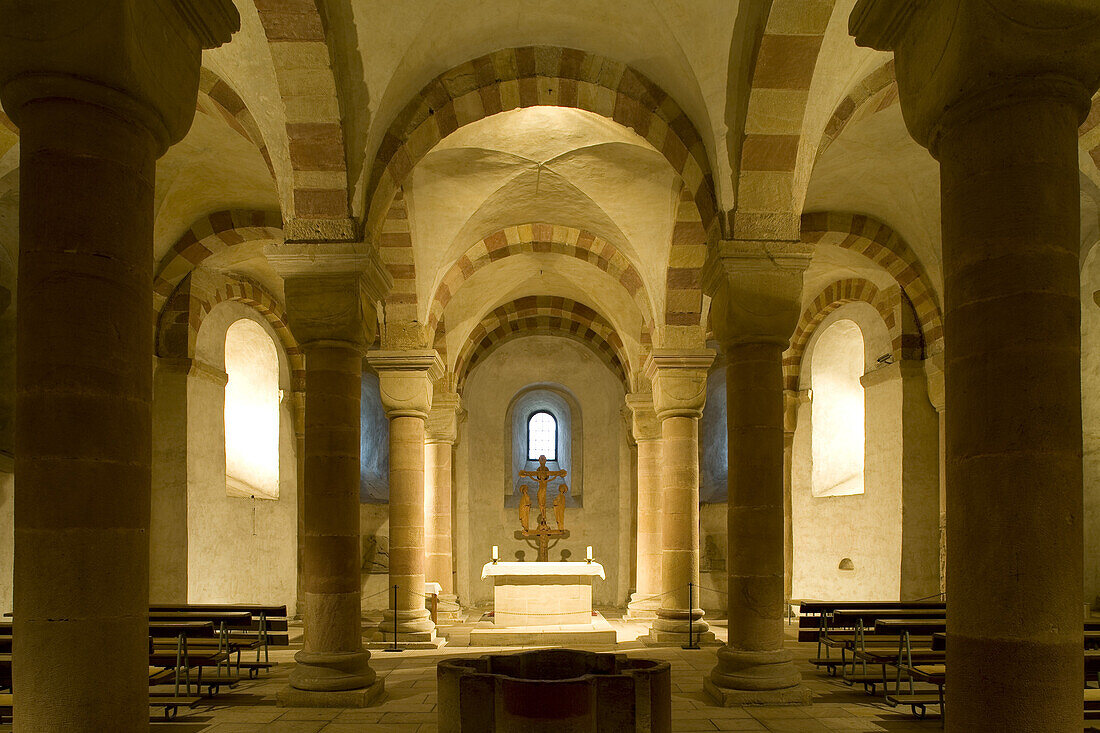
pixel 1011 232
pixel 407 531
pixel 83 423
pixel 754 667
pixel 645 601
pixel 437 508
pixel 333 657
pixel 679 528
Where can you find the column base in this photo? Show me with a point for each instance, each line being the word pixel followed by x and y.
pixel 756 678
pixel 642 607
pixel 679 627
pixel 414 630
pixel 448 612
pixel 332 671
pixel 656 638
pixel 289 697
pixel 797 695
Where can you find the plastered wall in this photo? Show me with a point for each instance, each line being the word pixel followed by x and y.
pixel 207 546
pixel 865 528
pixel 481 518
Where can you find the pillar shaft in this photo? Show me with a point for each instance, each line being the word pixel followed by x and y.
pixel 647 434
pixel 437 506
pixel 756 288
pixel 754 397
pixel 407 520
pixel 333 657
pixel 679 391
pixel 405 382
pixel 83 419
pixel 1011 231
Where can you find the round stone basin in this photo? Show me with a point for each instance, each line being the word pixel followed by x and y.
pixel 558 690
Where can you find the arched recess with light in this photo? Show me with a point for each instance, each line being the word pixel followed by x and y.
pixel 241 464
pixel 847 462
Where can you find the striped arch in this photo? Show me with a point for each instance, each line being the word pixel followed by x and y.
pixel 395 248
pixel 885 247
pixel 295 32
pixel 543 315
pixel 540 75
pixel 217 99
pixel 207 236
pixel 540 237
pixel 888 303
pixel 780 88
pixel 876 92
pixel 183 313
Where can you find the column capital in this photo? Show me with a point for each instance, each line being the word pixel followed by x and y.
pixel 139 58
pixel 955 59
pixel 442 424
pixel 331 291
pixel 644 422
pixel 756 289
pixel 679 378
pixel 405 380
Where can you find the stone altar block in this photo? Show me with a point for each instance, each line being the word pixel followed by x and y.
pixel 542 593
pixel 542 603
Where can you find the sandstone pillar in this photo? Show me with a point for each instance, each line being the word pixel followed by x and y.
pixel 330 292
pixel 756 289
pixel 405 380
pixel 647 434
pixel 997 97
pixel 440 433
pixel 933 369
pixel 791 400
pixel 679 380
pixel 94 116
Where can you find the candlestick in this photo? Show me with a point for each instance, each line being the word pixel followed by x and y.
pixel 495 555
pixel 589 554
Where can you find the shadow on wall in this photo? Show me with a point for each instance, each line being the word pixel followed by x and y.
pixel 713 440
pixel 374 451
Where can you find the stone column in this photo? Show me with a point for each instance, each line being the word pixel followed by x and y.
pixel 791 399
pixel 679 379
pixel 997 96
pixel 405 380
pixel 933 370
pixel 330 295
pixel 756 288
pixel 98 98
pixel 440 433
pixel 647 434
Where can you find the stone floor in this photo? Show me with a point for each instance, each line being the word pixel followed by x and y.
pixel 409 702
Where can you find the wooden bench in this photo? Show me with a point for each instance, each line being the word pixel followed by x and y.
pixel 924 664
pixel 882 645
pixel 172 657
pixel 816 623
pixel 268 628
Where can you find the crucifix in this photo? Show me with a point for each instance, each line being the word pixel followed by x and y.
pixel 541 536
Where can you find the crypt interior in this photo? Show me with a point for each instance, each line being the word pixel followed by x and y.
pixel 803 296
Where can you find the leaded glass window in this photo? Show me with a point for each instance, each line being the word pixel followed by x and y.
pixel 542 436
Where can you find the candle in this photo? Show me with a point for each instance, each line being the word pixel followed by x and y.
pixel 589 555
pixel 495 555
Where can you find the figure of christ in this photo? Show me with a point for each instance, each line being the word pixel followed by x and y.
pixel 525 508
pixel 542 475
pixel 559 506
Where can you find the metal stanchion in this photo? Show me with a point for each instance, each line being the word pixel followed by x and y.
pixel 395 648
pixel 692 642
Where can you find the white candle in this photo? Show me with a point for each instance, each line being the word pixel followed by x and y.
pixel 589 556
pixel 495 556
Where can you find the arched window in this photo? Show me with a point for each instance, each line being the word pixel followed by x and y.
pixel 251 412
pixel 837 431
pixel 542 436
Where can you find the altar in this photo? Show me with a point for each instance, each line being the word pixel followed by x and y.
pixel 542 593
pixel 542 603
